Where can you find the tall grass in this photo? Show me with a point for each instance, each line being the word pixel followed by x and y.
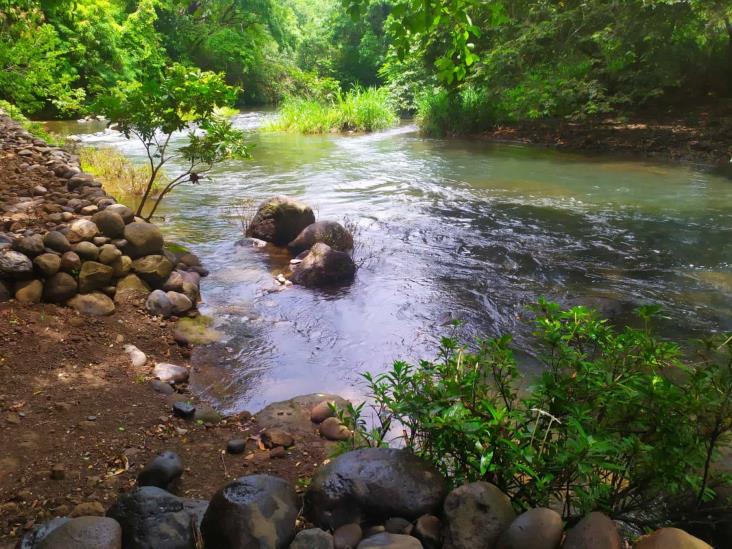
pixel 470 110
pixel 121 178
pixel 360 109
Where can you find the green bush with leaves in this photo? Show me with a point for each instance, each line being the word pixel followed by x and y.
pixel 177 99
pixel 617 421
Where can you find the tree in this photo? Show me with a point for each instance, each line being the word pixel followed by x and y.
pixel 177 99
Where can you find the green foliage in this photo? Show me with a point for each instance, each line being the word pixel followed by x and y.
pixel 121 178
pixel 177 99
pixel 617 421
pixel 363 110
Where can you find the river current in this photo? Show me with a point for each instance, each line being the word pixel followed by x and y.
pixel 446 229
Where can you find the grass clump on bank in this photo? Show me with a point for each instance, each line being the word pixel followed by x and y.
pixel 360 109
pixel 619 419
pixel 121 178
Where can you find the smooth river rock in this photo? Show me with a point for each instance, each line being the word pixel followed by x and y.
pixel 142 239
pixel 596 530
pixel 161 471
pixel 476 514
pixel 254 511
pixel 84 533
pixel 323 267
pixel 539 528
pixel 371 485
pixel 152 518
pixel 670 538
pixel 94 304
pixel 280 219
pixel 312 538
pixel 385 540
pixel 14 264
pixel 331 233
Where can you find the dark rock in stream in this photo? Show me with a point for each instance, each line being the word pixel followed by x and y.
pixel 331 233
pixel 280 219
pixel 323 267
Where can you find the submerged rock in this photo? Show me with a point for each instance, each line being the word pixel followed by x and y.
pixel 280 219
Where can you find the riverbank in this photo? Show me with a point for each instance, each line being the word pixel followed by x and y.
pixel 698 135
pixel 80 414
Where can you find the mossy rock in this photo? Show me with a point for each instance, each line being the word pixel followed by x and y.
pixel 197 331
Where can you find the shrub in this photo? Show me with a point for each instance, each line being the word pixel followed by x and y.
pixel 359 109
pixel 617 421
pixel 470 110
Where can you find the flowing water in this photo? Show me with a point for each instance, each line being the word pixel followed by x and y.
pixel 448 229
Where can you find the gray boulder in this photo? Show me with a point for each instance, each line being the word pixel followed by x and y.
pixel 110 223
pixel 158 303
pixel 596 530
pixel 84 533
pixel 29 245
pixel 57 242
pixel 94 276
pixel 14 264
pixel 280 219
pixel 127 215
pixel 476 514
pixel 82 229
pixel 87 251
pixel 161 471
pixel 372 484
pixel 385 540
pixel 142 239
pixel 312 538
pixel 152 518
pixel 153 269
pixel 331 233
pixel 94 304
pixel 47 264
pixel 324 266
pixel 539 528
pixel 252 511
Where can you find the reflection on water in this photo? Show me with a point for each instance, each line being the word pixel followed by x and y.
pixel 451 229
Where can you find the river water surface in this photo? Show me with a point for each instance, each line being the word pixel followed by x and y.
pixel 448 229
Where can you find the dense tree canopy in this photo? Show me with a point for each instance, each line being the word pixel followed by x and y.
pixel 495 60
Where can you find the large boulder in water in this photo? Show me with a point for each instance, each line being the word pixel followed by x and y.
pixel 331 233
pixel 371 485
pixel 324 266
pixel 280 219
pixel 252 511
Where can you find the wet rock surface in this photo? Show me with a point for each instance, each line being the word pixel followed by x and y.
pixel 373 483
pixel 252 511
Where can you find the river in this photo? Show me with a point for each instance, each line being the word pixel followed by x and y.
pixel 447 229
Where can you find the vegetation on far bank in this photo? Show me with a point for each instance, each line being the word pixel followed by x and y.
pixel 361 110
pixel 619 420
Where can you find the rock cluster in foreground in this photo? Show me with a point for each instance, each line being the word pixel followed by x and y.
pixel 68 242
pixel 364 499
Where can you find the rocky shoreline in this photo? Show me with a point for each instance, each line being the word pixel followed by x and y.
pixel 107 448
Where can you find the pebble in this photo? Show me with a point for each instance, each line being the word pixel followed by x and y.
pixel 236 446
pixel 58 472
pixel 184 409
pixel 137 357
